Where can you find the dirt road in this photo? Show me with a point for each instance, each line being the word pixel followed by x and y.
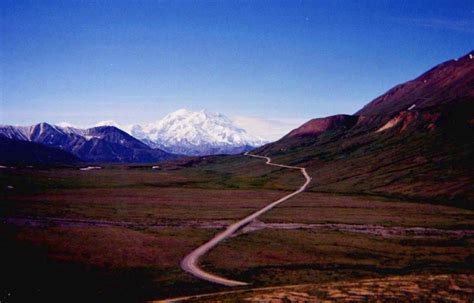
pixel 191 262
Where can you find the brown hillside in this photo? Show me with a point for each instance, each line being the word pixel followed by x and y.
pixel 414 142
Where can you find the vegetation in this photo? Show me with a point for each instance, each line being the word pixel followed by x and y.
pixel 119 233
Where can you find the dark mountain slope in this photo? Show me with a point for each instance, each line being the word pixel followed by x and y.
pixel 425 152
pixel 110 144
pixel 114 135
pixel 23 152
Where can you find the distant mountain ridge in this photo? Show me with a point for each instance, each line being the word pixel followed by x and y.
pixel 180 133
pixel 97 144
pixel 194 133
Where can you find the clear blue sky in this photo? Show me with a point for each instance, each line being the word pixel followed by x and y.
pixel 134 61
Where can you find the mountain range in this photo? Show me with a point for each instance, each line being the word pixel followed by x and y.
pixel 97 144
pixel 415 141
pixel 193 133
pixel 179 133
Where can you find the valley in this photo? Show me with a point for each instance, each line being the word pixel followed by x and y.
pixel 120 233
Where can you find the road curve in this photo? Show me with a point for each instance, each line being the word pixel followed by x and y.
pixel 190 263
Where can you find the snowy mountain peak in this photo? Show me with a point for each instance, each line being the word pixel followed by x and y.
pixel 107 123
pixel 65 125
pixel 194 116
pixel 196 133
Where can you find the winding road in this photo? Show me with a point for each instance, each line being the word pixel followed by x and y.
pixel 191 262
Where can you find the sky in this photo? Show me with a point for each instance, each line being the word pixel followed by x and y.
pixel 282 61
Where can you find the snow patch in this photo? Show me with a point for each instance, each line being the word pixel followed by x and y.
pixel 90 168
pixel 107 123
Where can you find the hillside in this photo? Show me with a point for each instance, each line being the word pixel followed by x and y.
pixel 415 141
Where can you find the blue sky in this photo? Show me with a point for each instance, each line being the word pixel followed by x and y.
pixel 135 61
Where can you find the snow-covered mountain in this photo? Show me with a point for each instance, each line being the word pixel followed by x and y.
pixel 182 132
pixel 194 133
